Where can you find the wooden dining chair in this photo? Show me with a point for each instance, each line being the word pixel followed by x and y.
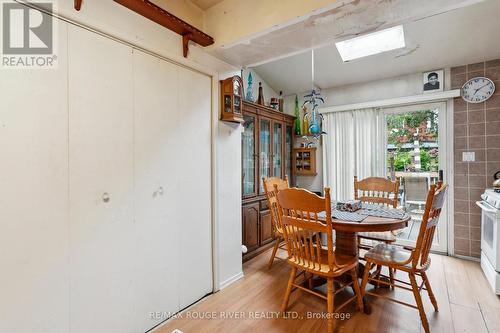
pixel 381 191
pixel 270 192
pixel 300 209
pixel 412 261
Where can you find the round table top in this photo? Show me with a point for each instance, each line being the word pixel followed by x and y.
pixel 371 224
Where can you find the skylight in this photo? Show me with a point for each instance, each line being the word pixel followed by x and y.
pixel 370 44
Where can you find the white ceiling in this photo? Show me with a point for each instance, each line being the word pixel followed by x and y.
pixel 205 4
pixel 457 37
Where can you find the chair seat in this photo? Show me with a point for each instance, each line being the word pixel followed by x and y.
pixel 383 236
pixel 388 254
pixel 346 262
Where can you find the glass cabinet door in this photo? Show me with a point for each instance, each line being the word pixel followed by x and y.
pixel 288 151
pixel 264 151
pixel 277 149
pixel 248 155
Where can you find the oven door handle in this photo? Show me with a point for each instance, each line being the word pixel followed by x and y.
pixel 484 207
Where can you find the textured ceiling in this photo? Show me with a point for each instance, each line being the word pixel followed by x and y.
pixel 341 20
pixel 457 37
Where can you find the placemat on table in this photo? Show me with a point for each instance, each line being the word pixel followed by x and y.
pixel 345 216
pixel 348 216
pixel 381 211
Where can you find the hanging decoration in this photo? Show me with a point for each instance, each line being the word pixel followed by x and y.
pixel 313 100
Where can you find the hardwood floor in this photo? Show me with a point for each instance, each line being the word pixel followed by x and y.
pixel 466 304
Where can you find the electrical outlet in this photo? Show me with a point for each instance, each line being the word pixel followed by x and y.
pixel 468 156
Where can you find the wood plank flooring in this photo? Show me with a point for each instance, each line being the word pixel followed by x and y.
pixel 466 304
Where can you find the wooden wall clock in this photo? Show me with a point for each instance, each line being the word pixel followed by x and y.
pixel 478 90
pixel 231 91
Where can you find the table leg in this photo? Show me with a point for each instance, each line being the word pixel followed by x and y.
pixel 346 243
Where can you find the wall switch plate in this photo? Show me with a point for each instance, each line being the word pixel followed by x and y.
pixel 468 156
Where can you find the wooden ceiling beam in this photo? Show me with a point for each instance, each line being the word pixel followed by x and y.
pixel 169 21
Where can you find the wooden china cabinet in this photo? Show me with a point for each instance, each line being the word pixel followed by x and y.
pixel 267 143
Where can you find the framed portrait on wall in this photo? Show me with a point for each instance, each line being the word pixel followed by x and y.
pixel 433 81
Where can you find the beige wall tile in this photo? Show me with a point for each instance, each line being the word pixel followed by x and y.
pixel 475 220
pixel 462 246
pixel 476 116
pixel 461 180
pixel 492 127
pixel 461 206
pixel 477 168
pixel 475 233
pixel 458 70
pixel 493 154
pixel 477 129
pixel 471 68
pixel 461 231
pixel 475 248
pixel 459 104
pixel 493 63
pixel 477 142
pixel 493 73
pixel 460 118
pixel 493 102
pixel 461 219
pixel 461 193
pixel 473 208
pixel 477 181
pixel 492 115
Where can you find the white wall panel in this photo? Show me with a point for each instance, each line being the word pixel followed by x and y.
pixel 195 186
pixel 102 235
pixel 108 120
pixel 34 198
pixel 157 148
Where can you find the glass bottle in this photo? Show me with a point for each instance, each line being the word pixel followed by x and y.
pixel 260 99
pixel 297 129
pixel 281 101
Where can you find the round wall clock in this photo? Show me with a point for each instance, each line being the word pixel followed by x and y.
pixel 478 90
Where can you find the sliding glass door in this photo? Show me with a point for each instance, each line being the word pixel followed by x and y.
pixel 414 152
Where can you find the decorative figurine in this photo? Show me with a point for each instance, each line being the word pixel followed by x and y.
pixel 249 95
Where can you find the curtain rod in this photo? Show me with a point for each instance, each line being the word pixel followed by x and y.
pixel 399 101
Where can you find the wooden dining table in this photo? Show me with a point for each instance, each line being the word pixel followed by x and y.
pixel 346 238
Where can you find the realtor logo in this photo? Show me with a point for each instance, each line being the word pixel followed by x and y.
pixel 27 35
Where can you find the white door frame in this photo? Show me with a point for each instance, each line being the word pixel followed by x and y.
pixel 445 160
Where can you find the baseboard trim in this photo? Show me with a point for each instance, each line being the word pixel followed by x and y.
pixel 467 258
pixel 230 281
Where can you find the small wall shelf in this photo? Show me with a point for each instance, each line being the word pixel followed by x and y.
pixel 304 161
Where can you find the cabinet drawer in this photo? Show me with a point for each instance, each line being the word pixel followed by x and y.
pixel 250 227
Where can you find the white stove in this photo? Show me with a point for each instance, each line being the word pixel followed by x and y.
pixel 490 237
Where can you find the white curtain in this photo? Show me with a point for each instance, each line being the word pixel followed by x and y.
pixel 350 149
pixel 366 142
